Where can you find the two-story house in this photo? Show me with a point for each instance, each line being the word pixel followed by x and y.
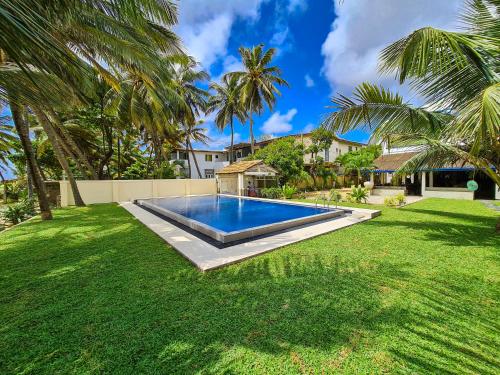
pixel 208 161
pixel 338 147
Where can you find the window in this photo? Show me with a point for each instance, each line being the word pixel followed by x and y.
pixel 216 156
pixel 327 155
pixel 183 155
pixel 208 157
pixel 209 173
pixel 350 148
pixel 337 150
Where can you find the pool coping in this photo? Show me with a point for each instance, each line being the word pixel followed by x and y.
pixel 207 257
pixel 227 237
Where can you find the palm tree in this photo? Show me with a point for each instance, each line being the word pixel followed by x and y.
pixel 128 35
pixel 192 132
pixel 258 82
pixel 185 78
pixel 227 100
pixel 457 74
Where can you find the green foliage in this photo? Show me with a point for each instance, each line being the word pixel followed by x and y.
pixel 358 194
pixel 286 156
pixel 272 193
pixel 19 211
pixel 457 75
pixel 335 196
pixel 395 200
pixel 360 159
pixel 288 191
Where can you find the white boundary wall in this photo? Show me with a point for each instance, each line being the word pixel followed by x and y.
pixel 107 191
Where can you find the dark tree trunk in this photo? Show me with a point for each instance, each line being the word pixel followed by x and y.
pixel 232 143
pixel 251 136
pixel 23 133
pixel 4 182
pixel 195 161
pixel 29 181
pixel 187 153
pixel 51 134
pixel 66 138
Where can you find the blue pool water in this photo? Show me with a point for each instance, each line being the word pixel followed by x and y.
pixel 230 214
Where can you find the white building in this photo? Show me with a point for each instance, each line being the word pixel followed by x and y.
pixel 208 161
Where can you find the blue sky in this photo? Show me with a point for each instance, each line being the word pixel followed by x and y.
pixel 323 48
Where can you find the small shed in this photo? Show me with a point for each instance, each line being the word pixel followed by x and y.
pixel 246 178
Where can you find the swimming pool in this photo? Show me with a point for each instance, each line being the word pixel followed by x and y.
pixel 227 219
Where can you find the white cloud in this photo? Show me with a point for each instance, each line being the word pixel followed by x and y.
pixel 363 28
pixel 279 123
pixel 205 26
pixel 309 128
pixel 279 37
pixel 309 81
pixel 230 64
pixel 296 5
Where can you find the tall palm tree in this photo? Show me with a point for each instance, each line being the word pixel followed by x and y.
pixel 258 82
pixel 193 132
pixel 227 100
pixel 457 73
pixel 185 77
pixel 128 35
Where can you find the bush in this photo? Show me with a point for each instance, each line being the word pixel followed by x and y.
pixel 335 196
pixel 288 191
pixel 18 212
pixel 358 194
pixel 395 200
pixel 272 193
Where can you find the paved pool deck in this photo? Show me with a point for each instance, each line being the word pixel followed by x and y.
pixel 206 256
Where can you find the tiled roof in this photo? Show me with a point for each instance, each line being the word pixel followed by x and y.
pixel 239 167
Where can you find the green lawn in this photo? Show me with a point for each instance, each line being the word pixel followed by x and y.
pixel 414 291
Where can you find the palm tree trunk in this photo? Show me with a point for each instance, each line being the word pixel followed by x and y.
pixel 23 133
pixel 232 143
pixel 29 181
pixel 251 136
pixel 119 155
pixel 4 182
pixel 65 137
pixel 359 176
pixel 195 161
pixel 51 134
pixel 187 153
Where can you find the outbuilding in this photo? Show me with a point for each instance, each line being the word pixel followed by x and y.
pixel 246 178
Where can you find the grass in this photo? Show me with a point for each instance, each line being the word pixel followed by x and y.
pixel 413 291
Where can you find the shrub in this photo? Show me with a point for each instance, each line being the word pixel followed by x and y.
pixel 18 212
pixel 288 191
pixel 358 194
pixel 395 200
pixel 272 193
pixel 335 196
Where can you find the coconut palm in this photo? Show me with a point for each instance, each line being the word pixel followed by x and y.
pixel 193 132
pixel 126 35
pixel 7 144
pixel 227 103
pixel 258 82
pixel 185 77
pixel 457 73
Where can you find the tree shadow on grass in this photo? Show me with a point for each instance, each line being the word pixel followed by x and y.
pixel 446 233
pixel 449 332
